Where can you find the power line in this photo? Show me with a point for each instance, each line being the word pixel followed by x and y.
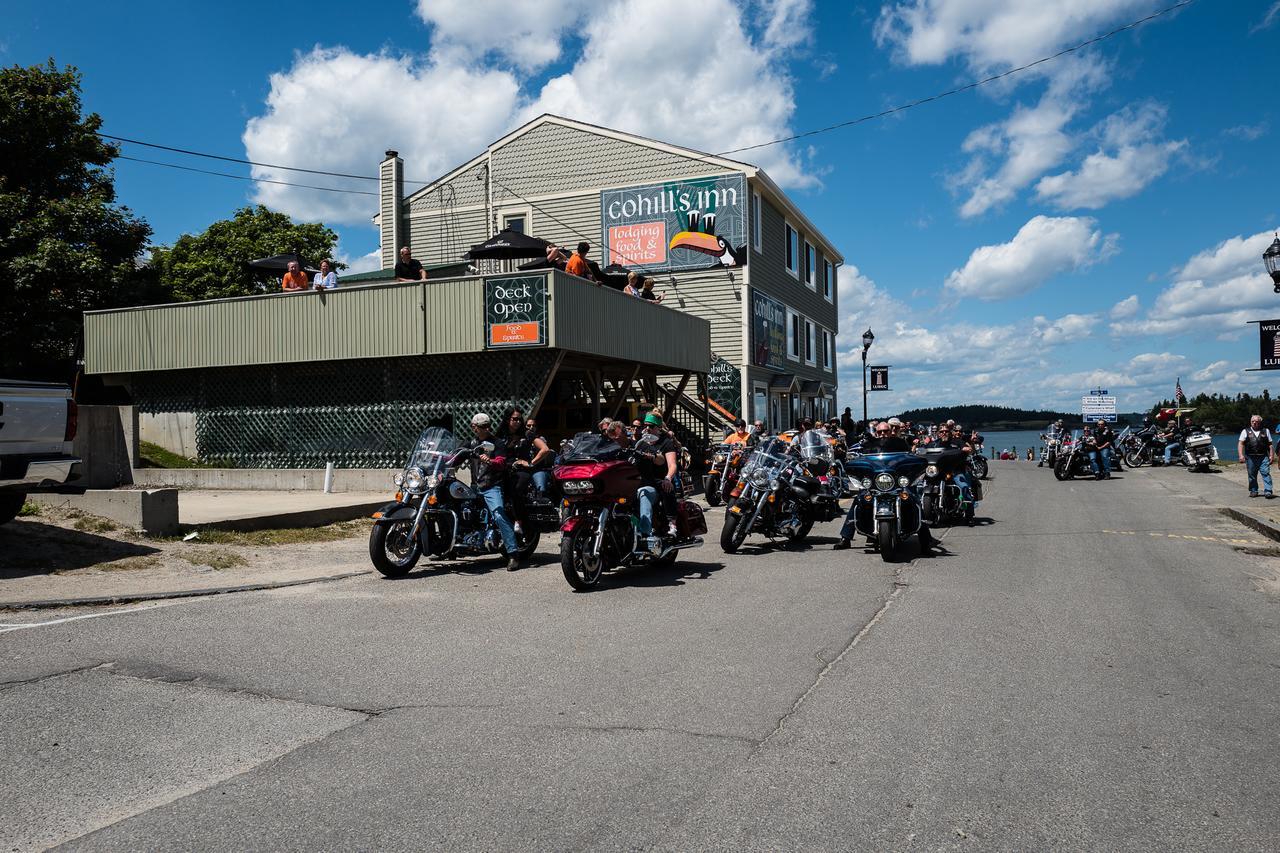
pixel 804 135
pixel 241 177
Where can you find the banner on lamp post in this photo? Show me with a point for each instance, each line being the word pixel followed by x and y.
pixel 879 377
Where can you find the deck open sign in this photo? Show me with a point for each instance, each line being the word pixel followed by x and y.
pixel 515 311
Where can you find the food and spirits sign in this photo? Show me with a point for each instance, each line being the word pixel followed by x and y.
pixel 880 378
pixel 724 385
pixel 692 224
pixel 515 311
pixel 768 332
pixel 1097 407
pixel 1269 343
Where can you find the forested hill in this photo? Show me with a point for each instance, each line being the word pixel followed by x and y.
pixel 989 417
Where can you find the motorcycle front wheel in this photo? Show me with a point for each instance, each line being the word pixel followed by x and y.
pixel 712 491
pixel 980 467
pixel 1062 470
pixel 581 569
pixel 393 549
pixel 887 541
pixel 734 532
pixel 1134 459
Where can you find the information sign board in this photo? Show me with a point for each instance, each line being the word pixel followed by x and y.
pixel 1269 343
pixel 515 311
pixel 1095 407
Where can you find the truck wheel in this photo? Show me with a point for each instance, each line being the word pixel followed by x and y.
pixel 10 505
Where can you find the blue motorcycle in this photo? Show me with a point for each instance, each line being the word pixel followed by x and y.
pixel 946 493
pixel 886 503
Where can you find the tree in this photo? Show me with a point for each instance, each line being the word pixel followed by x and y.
pixel 65 247
pixel 213 264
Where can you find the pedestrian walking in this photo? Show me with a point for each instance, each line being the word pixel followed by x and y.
pixel 1257 452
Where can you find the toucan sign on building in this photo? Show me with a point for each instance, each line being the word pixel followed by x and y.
pixel 677 225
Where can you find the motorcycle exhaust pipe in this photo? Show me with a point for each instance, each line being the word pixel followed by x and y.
pixel 681 546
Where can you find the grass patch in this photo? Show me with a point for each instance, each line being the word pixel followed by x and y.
pixel 127 564
pixel 28 509
pixel 285 535
pixel 155 456
pixel 93 524
pixel 218 559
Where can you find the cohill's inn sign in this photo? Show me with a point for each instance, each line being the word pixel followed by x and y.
pixel 691 224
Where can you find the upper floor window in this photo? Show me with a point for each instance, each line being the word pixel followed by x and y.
pixel 793 250
pixel 757 226
pixel 828 280
pixel 810 261
pixel 795 334
pixel 809 342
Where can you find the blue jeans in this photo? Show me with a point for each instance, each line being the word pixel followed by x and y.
pixel 1256 464
pixel 647 496
pixel 1169 450
pixel 541 480
pixel 962 480
pixel 498 509
pixel 1100 459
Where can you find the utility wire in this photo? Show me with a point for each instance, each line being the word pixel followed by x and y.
pixel 804 135
pixel 241 177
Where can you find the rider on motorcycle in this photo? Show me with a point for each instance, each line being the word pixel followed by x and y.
pixel 885 441
pixel 486 477
pixel 948 440
pixel 740 433
pixel 1174 437
pixel 655 456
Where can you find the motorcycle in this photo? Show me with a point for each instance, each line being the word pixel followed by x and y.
pixel 775 496
pixel 978 461
pixel 726 463
pixel 1140 448
pixel 1074 458
pixel 600 531
pixel 886 504
pixel 436 514
pixel 1198 452
pixel 1052 447
pixel 942 498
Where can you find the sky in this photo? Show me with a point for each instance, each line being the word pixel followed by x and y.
pixel 1097 220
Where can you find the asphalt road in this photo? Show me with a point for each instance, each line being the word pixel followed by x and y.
pixel 1078 673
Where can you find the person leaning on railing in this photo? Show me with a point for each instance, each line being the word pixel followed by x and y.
pixel 326 279
pixel 295 279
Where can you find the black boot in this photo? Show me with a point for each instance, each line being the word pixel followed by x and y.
pixel 842 545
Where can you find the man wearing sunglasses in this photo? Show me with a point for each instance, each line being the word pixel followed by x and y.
pixel 886 440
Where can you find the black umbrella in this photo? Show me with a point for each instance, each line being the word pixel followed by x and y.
pixel 614 275
pixel 280 263
pixel 508 245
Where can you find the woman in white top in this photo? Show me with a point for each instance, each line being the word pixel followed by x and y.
pixel 633 285
pixel 326 279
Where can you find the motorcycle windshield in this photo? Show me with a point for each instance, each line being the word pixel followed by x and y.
pixel 766 460
pixel 815 444
pixel 590 447
pixel 432 452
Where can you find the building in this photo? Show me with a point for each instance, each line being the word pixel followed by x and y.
pixel 722 240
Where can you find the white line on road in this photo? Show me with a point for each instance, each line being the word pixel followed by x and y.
pixel 6 627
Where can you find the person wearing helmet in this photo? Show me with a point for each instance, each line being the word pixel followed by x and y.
pixel 655 457
pixel 487 469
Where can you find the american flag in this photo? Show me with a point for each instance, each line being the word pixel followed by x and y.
pixel 1178 396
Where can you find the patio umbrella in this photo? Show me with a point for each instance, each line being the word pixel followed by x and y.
pixel 280 263
pixel 509 245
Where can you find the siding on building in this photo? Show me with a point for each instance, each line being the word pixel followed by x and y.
pixel 390 193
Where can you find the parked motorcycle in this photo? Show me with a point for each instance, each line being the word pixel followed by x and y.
pixel 600 531
pixel 436 514
pixel 886 501
pixel 1052 447
pixel 1141 448
pixel 726 463
pixel 1198 452
pixel 776 495
pixel 1074 458
pixel 942 498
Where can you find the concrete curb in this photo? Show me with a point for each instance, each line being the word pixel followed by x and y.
pixel 317 517
pixel 1266 528
pixel 126 598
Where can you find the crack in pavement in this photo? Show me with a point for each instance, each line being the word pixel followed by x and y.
pixel 5 685
pixel 741 739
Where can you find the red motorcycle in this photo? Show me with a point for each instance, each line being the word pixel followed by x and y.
pixel 600 531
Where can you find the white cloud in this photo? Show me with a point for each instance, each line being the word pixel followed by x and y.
pixel 338 110
pixel 1217 291
pixel 1125 308
pixel 364 263
pixel 1044 247
pixel 1066 329
pixel 630 69
pixel 1129 157
pixel 1249 132
pixel 1211 372
pixel 1272 15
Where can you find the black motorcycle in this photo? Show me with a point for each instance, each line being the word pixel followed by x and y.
pixel 775 496
pixel 886 503
pixel 1075 458
pixel 944 496
pixel 438 515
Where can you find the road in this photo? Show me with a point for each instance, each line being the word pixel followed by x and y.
pixel 1096 667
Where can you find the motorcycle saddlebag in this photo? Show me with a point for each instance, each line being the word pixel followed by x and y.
pixel 1200 439
pixel 689 519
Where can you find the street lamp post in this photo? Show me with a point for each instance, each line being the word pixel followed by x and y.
pixel 867 340
pixel 1271 258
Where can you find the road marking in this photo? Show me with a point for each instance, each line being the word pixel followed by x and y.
pixel 1188 536
pixel 6 627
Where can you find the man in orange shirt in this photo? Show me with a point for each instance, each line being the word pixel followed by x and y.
pixel 739 435
pixel 578 262
pixel 295 279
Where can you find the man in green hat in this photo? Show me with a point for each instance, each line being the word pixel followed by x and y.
pixel 656 461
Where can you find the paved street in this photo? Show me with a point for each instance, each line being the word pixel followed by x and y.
pixel 1094 668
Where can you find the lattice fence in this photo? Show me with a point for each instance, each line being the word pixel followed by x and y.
pixel 356 414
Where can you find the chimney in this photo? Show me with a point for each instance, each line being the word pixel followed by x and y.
pixel 391 206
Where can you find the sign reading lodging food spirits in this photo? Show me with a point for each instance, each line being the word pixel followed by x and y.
pixel 880 378
pixel 692 224
pixel 1269 343
pixel 515 311
pixel 768 332
pixel 724 385
pixel 1097 407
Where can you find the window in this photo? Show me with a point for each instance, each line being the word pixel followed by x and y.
pixel 809 348
pixel 515 222
pixel 793 250
pixel 810 263
pixel 828 345
pixel 828 280
pixel 795 334
pixel 756 225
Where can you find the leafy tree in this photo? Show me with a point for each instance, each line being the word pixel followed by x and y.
pixel 65 247
pixel 213 264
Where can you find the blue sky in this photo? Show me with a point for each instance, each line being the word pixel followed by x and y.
pixel 1098 219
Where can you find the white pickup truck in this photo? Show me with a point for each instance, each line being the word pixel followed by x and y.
pixel 37 425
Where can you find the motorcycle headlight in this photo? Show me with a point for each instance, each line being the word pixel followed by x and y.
pixel 398 479
pixel 773 484
pixel 414 479
pixel 931 471
pixel 903 482
pixel 760 479
pixel 884 481
pixel 433 481
pixel 578 487
pixel 718 458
